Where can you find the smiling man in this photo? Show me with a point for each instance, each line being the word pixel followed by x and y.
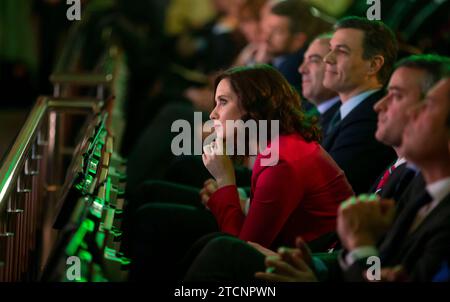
pixel 361 58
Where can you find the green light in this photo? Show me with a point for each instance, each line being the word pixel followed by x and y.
pixel 100 238
pixel 77 240
pixel 88 182
pixel 93 164
pixel 103 135
pixel 97 276
pixel 116 232
pixel 85 256
pixel 98 149
pixel 108 190
pixel 111 255
pixel 97 208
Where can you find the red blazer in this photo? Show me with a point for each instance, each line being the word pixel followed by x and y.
pixel 299 196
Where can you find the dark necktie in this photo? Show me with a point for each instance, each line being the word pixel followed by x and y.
pixel 393 184
pixel 334 122
pixel 402 224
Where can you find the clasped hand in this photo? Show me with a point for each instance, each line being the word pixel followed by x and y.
pixel 363 220
pixel 288 265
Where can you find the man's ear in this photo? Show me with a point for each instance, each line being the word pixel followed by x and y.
pixel 375 64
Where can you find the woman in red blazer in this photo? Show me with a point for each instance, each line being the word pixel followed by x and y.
pixel 296 186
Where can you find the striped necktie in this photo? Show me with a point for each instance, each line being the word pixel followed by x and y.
pixel 384 179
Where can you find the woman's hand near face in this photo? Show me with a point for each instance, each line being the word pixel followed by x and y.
pixel 220 166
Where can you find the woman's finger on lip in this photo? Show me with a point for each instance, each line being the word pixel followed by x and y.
pixel 208 150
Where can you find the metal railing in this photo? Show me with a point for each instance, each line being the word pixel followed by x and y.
pixel 34 172
pixel 90 211
pixel 108 80
pixel 100 81
pixel 30 178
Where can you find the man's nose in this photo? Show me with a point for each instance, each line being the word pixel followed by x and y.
pixel 382 104
pixel 330 58
pixel 302 68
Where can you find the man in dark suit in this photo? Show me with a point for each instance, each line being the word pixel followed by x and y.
pixel 312 69
pixel 409 83
pixel 412 78
pixel 419 238
pixel 362 54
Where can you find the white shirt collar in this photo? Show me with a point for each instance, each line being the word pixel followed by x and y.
pixel 353 102
pixel 413 167
pixel 400 161
pixel 324 106
pixel 439 189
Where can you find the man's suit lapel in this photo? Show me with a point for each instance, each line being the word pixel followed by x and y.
pixel 436 218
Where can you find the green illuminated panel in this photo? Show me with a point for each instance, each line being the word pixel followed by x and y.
pixel 77 240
